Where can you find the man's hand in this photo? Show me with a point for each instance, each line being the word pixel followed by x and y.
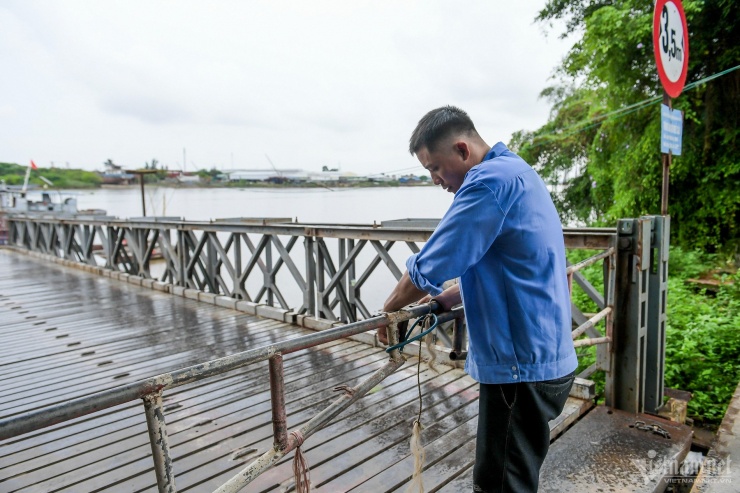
pixel 383 335
pixel 425 299
pixel 404 293
pixel 449 297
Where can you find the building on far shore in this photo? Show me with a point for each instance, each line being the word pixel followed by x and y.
pixel 293 176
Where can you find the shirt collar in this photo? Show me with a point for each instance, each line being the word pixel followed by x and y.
pixel 495 151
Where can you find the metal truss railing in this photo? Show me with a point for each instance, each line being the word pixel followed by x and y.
pixel 151 389
pixel 261 261
pixel 588 326
pixel 328 271
pixel 631 348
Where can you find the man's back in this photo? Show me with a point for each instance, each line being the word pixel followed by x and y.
pixel 516 295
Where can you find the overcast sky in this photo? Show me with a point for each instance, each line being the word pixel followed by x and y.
pixel 308 83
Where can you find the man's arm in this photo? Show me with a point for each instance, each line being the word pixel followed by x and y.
pixel 404 293
pixel 448 298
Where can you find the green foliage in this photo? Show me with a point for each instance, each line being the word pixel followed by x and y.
pixel 702 336
pixel 606 166
pixel 593 273
pixel 14 174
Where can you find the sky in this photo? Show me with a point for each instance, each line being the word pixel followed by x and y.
pixel 241 84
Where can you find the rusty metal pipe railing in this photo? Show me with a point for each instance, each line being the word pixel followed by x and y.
pixel 591 322
pixel 160 443
pixel 592 342
pixel 277 401
pixel 34 420
pixel 150 390
pixel 258 466
pixel 589 261
pixel 458 353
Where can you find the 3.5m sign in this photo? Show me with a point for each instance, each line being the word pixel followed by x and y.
pixel 671 45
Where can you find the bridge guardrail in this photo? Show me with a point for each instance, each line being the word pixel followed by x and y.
pixel 150 391
pixel 224 257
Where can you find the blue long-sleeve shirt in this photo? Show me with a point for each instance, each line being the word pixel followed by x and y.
pixel 503 238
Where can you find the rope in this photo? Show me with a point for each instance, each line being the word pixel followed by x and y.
pixel 417 449
pixel 408 340
pixel 428 323
pixel 431 349
pixel 301 471
pixel 418 387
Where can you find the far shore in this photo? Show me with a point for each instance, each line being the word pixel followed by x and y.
pixel 264 185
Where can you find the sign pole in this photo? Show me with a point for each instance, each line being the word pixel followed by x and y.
pixel 671 49
pixel 666 158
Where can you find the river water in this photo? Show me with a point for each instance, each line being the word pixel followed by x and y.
pixel 308 205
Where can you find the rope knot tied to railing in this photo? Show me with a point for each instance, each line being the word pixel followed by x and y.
pixel 301 471
pixel 430 318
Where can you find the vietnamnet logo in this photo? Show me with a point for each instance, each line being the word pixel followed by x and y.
pixel 713 470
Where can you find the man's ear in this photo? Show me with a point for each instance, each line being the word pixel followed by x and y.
pixel 462 149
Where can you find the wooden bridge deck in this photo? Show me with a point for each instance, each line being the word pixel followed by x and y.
pixel 67 333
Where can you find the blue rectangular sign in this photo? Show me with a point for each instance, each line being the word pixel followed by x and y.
pixel 671 130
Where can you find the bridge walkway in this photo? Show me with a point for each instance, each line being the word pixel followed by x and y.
pixel 67 333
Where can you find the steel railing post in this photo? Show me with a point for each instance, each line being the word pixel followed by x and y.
pixel 656 318
pixel 211 262
pixel 309 294
pixel 342 284
pixel 277 399
pixel 322 308
pixel 182 257
pixel 630 315
pixel 159 442
pixel 352 292
pixel 604 353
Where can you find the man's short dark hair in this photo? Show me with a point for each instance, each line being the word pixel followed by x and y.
pixel 437 125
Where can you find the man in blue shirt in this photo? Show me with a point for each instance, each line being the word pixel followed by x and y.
pixel 503 239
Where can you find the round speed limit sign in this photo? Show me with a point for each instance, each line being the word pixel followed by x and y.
pixel 671 45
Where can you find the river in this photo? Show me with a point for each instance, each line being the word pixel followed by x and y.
pixel 340 205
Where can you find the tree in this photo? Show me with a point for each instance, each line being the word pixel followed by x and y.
pixel 604 161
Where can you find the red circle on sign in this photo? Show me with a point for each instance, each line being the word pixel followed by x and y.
pixel 675 86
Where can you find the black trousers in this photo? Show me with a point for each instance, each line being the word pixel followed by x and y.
pixel 513 433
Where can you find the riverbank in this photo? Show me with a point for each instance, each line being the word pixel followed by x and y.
pixel 14 175
pixel 269 185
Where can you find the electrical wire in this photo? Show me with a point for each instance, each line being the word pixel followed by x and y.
pixel 621 112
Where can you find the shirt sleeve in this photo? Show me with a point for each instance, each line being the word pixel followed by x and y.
pixel 464 235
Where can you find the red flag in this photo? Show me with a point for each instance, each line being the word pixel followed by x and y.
pixel 33 165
